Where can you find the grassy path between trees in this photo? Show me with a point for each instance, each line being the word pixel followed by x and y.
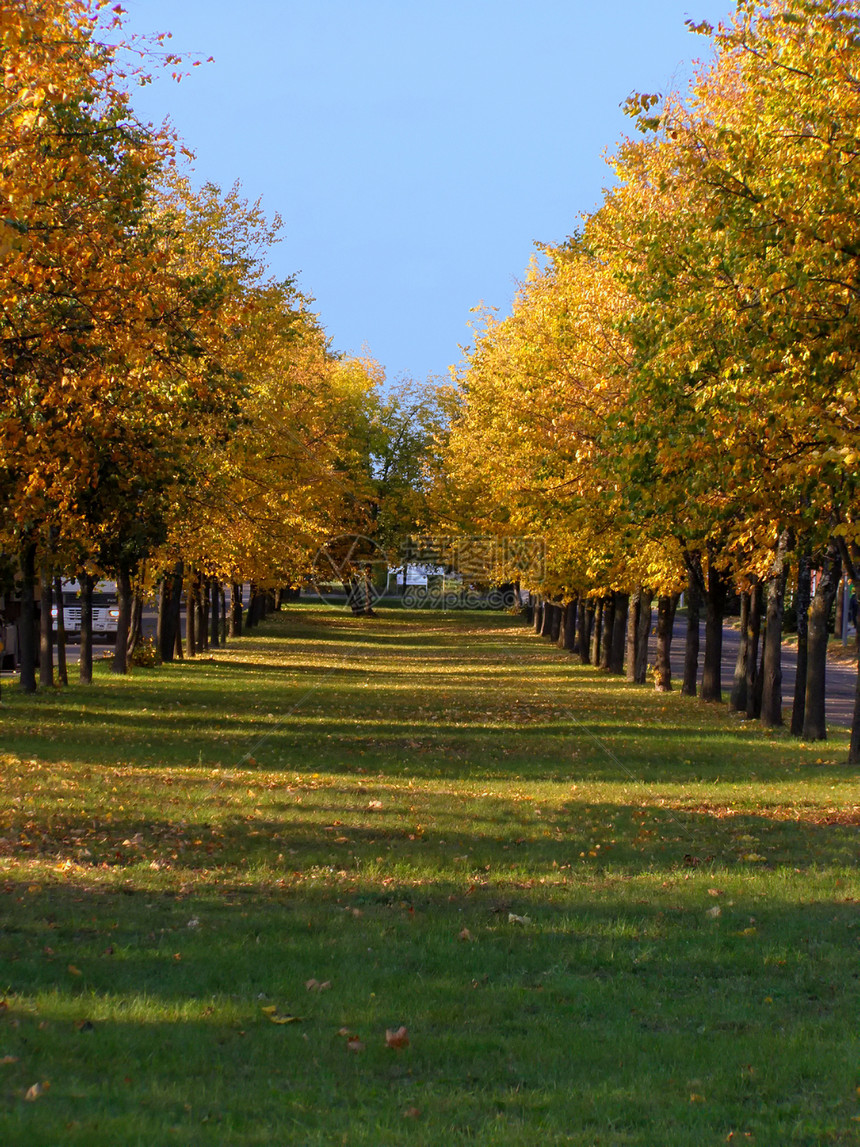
pixel 603 916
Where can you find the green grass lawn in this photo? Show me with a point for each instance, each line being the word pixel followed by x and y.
pixel 605 916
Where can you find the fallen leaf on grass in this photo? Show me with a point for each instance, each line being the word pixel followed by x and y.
pixel 412 1113
pixel 75 971
pixel 315 985
pixel 85 1026
pixel 279 1019
pixel 33 1093
pixel 753 857
pixel 715 892
pixel 9 1059
pixel 354 1044
pixel 397 1037
pixel 714 912
pixel 514 919
pixel 374 805
pixel 696 1098
pixel 465 934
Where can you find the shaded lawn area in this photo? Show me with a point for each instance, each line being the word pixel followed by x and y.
pixel 605 916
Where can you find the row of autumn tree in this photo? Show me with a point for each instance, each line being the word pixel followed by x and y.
pixel 676 392
pixel 168 411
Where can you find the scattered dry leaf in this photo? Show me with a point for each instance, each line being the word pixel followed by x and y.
pixel 465 934
pixel 33 1093
pixel 354 1044
pixel 714 912
pixel 269 1009
pixel 9 1059
pixel 277 1018
pixel 344 1032
pixel 75 971
pixel 397 1037
pixel 412 1113
pixel 514 919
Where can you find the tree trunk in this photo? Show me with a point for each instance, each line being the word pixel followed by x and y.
pixel 581 640
pixel 738 697
pixel 235 609
pixel 27 620
pixel 851 559
pixel 191 615
pixel 715 604
pixel 46 628
pixel 123 621
pixel 62 668
pixel 608 622
pixel 571 611
pixel 619 632
pixel 163 631
pixel 222 594
pixel 643 632
pixel 169 612
pixel 802 599
pixel 251 613
pixel 85 665
pixel 753 675
pixel 555 623
pixel 771 698
pixel 586 636
pixel 596 638
pixel 205 609
pixel 215 599
pixel 632 631
pixel 666 607
pixel 695 590
pixel 815 723
pixel 537 616
pixel 135 629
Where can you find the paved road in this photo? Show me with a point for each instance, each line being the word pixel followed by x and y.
pixel 841 677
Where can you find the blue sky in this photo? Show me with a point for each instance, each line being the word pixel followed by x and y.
pixel 416 149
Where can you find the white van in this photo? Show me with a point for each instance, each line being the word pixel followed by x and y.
pixel 105 609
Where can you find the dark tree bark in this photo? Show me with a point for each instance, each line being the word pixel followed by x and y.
pixel 643 632
pixel 85 665
pixel 222 594
pixel 597 632
pixel 619 632
pixel 851 558
pixel 235 609
pixel 695 593
pixel 738 697
pixel 580 640
pixel 537 620
pixel 771 698
pixel 178 652
pixel 815 722
pixel 555 623
pixel 571 611
pixel 546 619
pixel 632 630
pixel 205 609
pixel 607 624
pixel 529 611
pixel 586 638
pixel 754 682
pixel 27 620
pixel 191 615
pixel 715 607
pixel 802 600
pixel 123 621
pixel 62 668
pixel 169 613
pixel 135 629
pixel 46 628
pixel 251 612
pixel 215 597
pixel 666 606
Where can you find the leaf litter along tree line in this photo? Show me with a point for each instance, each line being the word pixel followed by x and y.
pixel 674 393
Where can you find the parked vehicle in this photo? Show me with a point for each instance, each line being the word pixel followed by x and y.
pixel 105 609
